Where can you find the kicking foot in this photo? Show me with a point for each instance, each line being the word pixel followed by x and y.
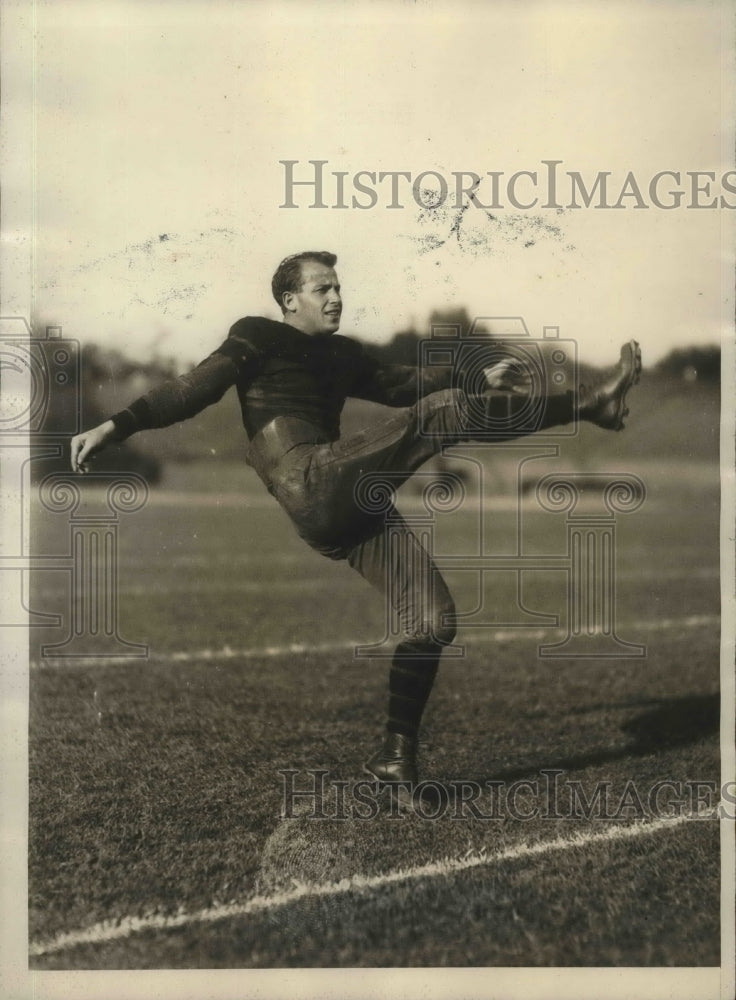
pixel 604 404
pixel 395 766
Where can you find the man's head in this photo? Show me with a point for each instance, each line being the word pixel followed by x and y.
pixel 307 290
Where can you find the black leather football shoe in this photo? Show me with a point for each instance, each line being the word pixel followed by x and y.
pixel 604 404
pixel 395 765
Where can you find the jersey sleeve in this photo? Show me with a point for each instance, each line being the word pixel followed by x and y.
pixel 396 385
pixel 235 360
pixel 178 399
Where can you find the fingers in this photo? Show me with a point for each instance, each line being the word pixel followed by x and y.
pixel 85 446
pixel 495 374
pixel 82 449
pixel 498 369
pixel 508 375
pixel 79 452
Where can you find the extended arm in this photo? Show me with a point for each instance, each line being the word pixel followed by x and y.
pixel 403 385
pixel 397 385
pixel 179 398
pixel 174 400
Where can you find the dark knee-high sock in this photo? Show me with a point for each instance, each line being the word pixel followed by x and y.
pixel 413 670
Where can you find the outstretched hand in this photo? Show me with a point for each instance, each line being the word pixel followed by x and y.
pixel 89 443
pixel 508 375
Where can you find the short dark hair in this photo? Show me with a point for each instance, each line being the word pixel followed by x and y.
pixel 288 275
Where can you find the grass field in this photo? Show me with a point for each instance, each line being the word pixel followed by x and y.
pixel 156 830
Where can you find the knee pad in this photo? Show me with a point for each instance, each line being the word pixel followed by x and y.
pixel 437 629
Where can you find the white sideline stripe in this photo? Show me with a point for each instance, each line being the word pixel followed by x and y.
pixel 488 634
pixel 113 930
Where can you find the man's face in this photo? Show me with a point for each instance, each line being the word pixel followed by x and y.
pixel 317 307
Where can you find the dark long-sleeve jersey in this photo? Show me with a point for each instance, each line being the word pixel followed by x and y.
pixel 280 371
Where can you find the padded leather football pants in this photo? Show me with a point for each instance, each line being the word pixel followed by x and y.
pixel 317 482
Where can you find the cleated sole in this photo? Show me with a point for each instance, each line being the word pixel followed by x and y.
pixel 631 360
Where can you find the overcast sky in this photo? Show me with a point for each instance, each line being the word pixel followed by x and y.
pixel 169 120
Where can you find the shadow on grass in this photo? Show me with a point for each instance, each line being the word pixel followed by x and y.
pixel 671 722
